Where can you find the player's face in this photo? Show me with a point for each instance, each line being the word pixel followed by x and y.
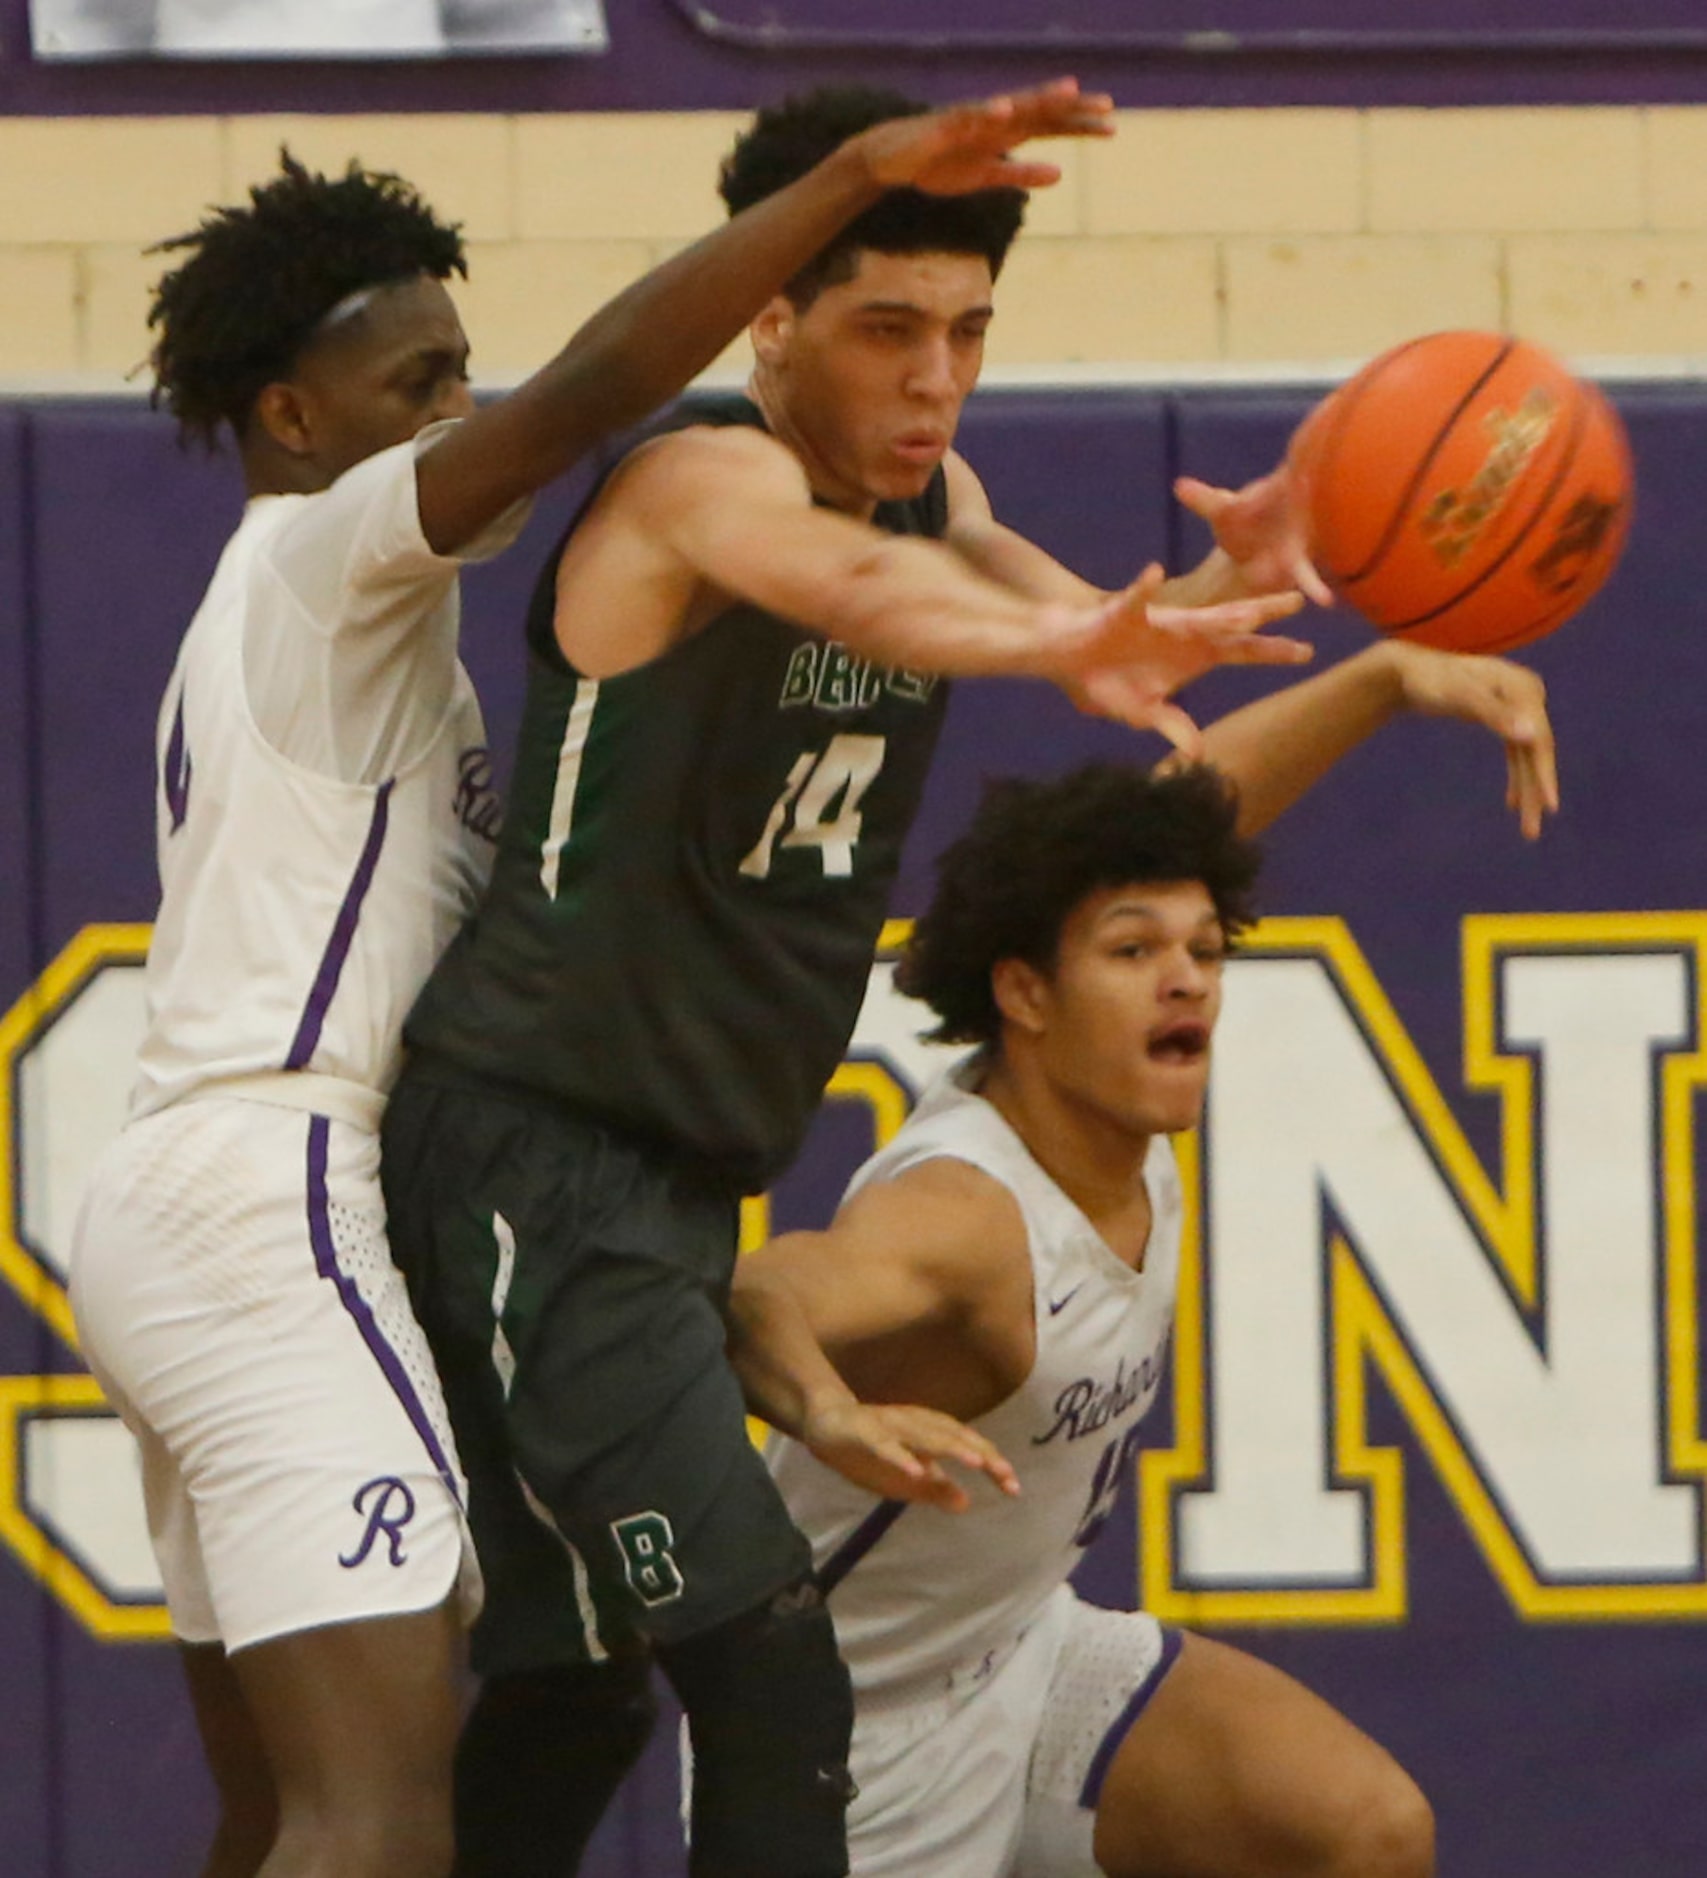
pixel 395 363
pixel 1127 1013
pixel 867 382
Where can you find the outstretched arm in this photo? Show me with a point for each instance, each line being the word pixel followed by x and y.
pixel 1280 746
pixel 704 514
pixel 907 1262
pixel 657 334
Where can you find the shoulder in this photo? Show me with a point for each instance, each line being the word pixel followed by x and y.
pixel 385 478
pixel 944 1213
pixel 705 462
pixel 967 500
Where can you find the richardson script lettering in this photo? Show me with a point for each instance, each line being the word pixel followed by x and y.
pixel 1086 1406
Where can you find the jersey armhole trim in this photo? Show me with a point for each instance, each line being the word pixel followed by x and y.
pixel 859 1542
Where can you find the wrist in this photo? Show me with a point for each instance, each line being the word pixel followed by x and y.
pixel 822 1404
pixel 1214 580
pixel 850 173
pixel 1382 666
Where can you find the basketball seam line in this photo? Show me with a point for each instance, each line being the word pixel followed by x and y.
pixel 1402 509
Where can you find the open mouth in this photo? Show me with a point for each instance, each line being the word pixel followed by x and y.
pixel 1183 1042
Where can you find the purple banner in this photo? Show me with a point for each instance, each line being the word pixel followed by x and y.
pixel 1210 28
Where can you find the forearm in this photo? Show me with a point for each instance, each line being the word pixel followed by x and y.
pixel 656 335
pixel 1282 745
pixel 918 606
pixel 1007 558
pixel 635 353
pixel 783 1371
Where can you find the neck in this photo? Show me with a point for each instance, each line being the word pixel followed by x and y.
pixel 828 487
pixel 1093 1159
pixel 270 471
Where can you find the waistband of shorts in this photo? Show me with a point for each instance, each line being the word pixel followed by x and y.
pixel 342 1100
pixel 422 1064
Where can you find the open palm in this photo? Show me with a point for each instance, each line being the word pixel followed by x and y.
pixel 1131 655
pixel 966 146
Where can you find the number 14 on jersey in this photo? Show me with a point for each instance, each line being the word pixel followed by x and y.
pixel 819 806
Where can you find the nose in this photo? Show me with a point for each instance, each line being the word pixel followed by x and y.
pixel 1188 975
pixel 455 399
pixel 932 372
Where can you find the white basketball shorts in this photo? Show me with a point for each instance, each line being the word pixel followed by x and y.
pixel 1000 1776
pixel 238 1304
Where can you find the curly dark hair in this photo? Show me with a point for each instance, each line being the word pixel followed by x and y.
pixel 234 316
pixel 790 138
pixel 1036 849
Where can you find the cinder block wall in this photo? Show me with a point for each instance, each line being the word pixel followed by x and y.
pixel 1194 238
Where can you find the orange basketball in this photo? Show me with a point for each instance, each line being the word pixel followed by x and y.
pixel 1465 490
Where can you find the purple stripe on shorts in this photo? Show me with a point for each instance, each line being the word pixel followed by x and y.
pixel 326 1264
pixel 307 1037
pixel 1136 1703
pixel 858 1542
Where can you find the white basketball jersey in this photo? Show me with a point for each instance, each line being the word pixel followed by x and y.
pixel 919 1594
pixel 324 811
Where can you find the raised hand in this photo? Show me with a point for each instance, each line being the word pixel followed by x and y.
pixel 1125 658
pixel 1510 700
pixel 965 146
pixel 898 1451
pixel 1260 530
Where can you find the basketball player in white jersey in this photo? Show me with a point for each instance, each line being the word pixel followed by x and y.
pixel 324 818
pixel 1009 1259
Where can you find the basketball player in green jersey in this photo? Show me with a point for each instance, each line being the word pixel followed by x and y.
pixel 735 689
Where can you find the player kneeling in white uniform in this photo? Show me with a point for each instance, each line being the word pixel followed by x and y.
pixel 1009 1259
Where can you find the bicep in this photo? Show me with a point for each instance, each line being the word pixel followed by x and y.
pixel 902 1255
pixel 742 518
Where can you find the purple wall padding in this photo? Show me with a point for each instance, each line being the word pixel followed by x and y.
pixel 126 528
pixel 27 1692
pixel 1551 1751
pixel 16 953
pixel 665 55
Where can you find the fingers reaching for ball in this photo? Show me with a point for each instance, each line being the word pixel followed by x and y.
pixel 1510 700
pixel 1260 529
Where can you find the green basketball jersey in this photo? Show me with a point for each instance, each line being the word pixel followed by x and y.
pixel 694 870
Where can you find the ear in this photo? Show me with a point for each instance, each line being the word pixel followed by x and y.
pixel 283 413
pixel 773 329
pixel 1022 995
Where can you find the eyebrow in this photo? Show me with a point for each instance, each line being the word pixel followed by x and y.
pixel 435 355
pixel 914 311
pixel 1142 909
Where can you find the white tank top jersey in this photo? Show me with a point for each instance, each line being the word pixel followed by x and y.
pixel 324 808
pixel 921 1596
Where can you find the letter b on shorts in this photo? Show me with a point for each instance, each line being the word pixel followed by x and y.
pixel 646 1540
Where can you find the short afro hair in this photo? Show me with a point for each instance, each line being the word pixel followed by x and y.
pixel 791 138
pixel 1037 849
pixel 235 315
